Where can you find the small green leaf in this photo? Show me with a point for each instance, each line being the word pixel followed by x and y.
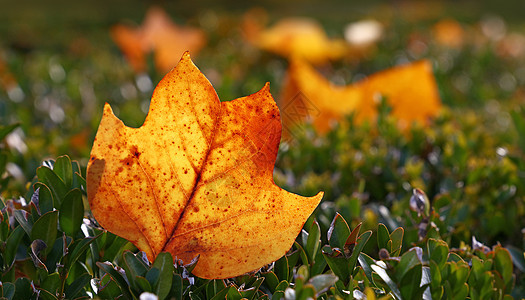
pixel 437 251
pixel 361 242
pixel 72 212
pixel 380 270
pixel 12 243
pixel 78 248
pixel 22 217
pixel 409 285
pixel 408 261
pixel 313 242
pixel 322 282
pixel 115 275
pixel 281 268
pixel 338 232
pixel 76 286
pixel 45 197
pixel 279 290
pixel 233 294
pixel 134 267
pixel 252 291
pixel 45 295
pixel 164 263
pixel 45 229
pixel 23 288
pixel 221 294
pixel 53 182
pixel 143 284
pixel 270 280
pixel 383 236
pixel 8 290
pixel 337 263
pixel 51 283
pixel 503 264
pixel 397 241
pixel 64 170
pixel 176 287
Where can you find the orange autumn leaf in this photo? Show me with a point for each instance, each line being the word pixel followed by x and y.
pixel 160 35
pixel 411 91
pixel 196 178
pixel 449 33
pixel 294 37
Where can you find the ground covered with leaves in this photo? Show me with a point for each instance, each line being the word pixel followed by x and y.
pixel 433 211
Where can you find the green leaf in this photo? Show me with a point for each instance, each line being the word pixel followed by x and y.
pixel 383 236
pixel 45 197
pixel 337 263
pixel 361 242
pixel 313 242
pixel 134 267
pixel 77 285
pixel 143 284
pixel 12 243
pixel 503 264
pixel 176 287
pixel 279 290
pixel 164 263
pixel 23 288
pixel 45 229
pixel 322 282
pixel 45 295
pixel 221 294
pixel 78 248
pixel 408 261
pixel 115 275
pixel 338 232
pixel 281 268
pixel 252 291
pixel 233 294
pixel 51 283
pixel 109 288
pixel 72 212
pixel 56 185
pixel 397 241
pixel 409 285
pixel 22 217
pixel 380 269
pixel 270 280
pixel 8 290
pixel 64 170
pixel 366 263
pixel 437 251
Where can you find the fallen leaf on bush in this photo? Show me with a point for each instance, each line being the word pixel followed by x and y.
pixel 410 90
pixel 197 178
pixel 158 34
pixel 294 37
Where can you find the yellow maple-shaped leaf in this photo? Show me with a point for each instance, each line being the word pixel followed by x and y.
pixel 294 37
pixel 410 90
pixel 160 35
pixel 196 178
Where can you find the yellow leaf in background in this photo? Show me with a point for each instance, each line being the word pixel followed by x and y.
pixel 410 90
pixel 160 35
pixel 196 179
pixel 294 37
